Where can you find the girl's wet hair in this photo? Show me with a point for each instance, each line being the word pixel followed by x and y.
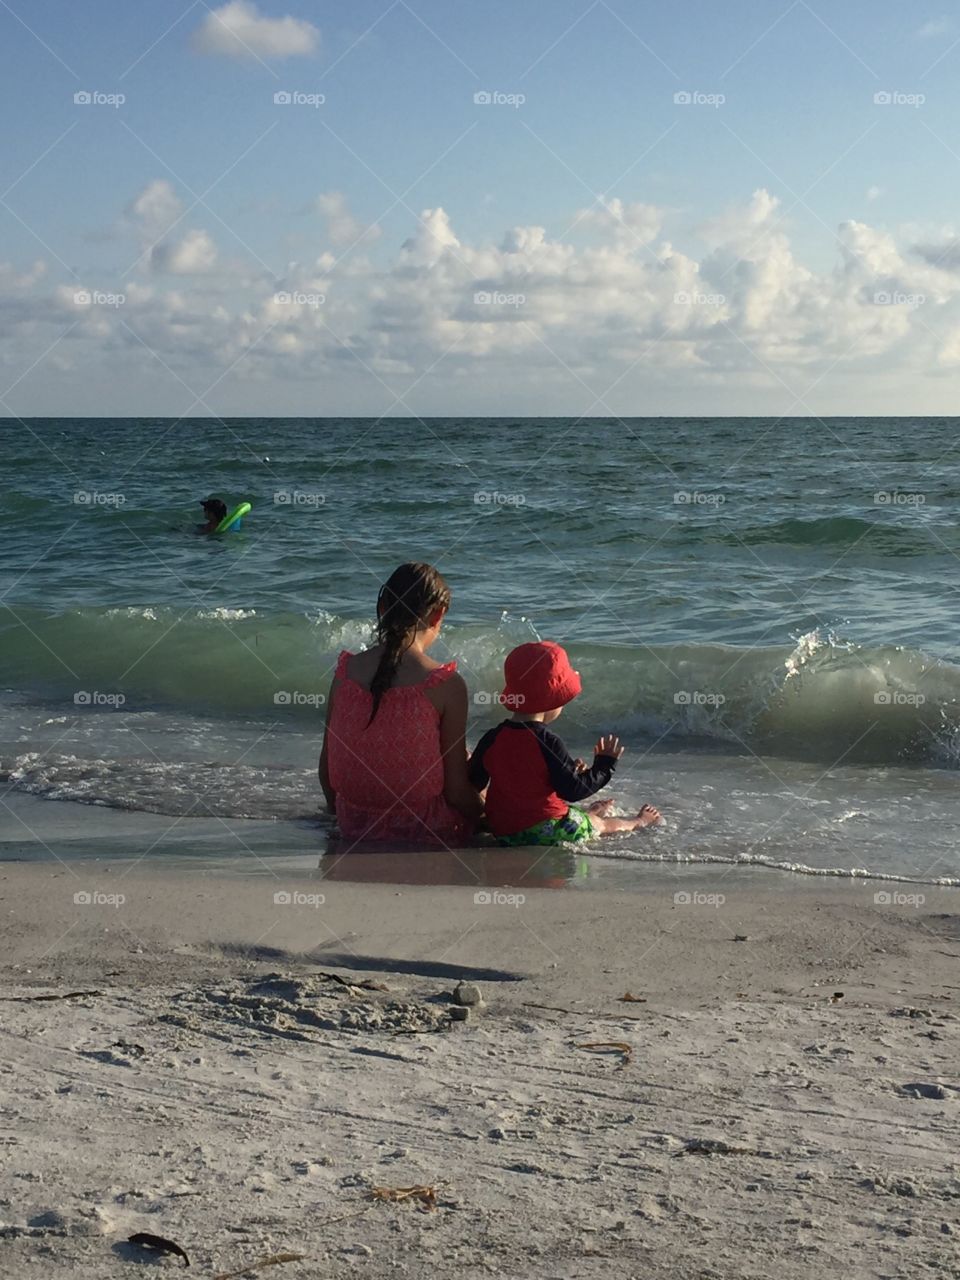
pixel 409 598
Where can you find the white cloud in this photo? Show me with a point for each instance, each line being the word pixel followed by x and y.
pixel 874 193
pixel 152 215
pixel 742 226
pixel 155 209
pixel 639 222
pixel 237 30
pixel 12 279
pixel 342 227
pixel 935 27
pixel 552 320
pixel 432 239
pixel 194 254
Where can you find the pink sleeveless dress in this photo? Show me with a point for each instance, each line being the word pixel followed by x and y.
pixel 388 776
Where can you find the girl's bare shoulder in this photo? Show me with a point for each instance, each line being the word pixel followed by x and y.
pixel 414 667
pixel 362 666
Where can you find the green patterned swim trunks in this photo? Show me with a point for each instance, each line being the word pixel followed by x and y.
pixel 573 827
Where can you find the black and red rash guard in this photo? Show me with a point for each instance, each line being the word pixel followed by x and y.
pixel 532 775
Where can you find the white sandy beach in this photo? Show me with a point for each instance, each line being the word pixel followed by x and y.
pixel 218 1088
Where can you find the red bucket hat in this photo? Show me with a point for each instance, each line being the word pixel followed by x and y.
pixel 539 677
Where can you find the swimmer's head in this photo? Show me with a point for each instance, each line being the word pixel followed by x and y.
pixel 214 508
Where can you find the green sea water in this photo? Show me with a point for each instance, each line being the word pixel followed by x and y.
pixel 766 610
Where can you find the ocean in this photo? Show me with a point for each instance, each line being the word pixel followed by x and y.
pixel 766 611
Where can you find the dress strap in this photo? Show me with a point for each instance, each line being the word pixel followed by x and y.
pixel 438 676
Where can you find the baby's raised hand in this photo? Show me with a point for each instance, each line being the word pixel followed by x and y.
pixel 609 745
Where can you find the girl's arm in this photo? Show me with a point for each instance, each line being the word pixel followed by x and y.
pixel 457 790
pixel 323 769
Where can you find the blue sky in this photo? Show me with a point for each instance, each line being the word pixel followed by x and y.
pixel 639 197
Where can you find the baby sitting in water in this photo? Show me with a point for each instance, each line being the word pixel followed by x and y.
pixel 530 773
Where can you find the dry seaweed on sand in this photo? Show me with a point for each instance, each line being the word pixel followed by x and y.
pixel 610 1046
pixel 712 1147
pixel 629 998
pixel 363 984
pixel 148 1241
pixel 275 1260
pixel 54 995
pixel 427 1196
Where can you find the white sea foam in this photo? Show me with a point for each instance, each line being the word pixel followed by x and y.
pixel 606 850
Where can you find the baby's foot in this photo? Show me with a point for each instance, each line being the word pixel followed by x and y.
pixel 648 815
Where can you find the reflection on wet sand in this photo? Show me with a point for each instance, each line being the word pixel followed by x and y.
pixel 534 868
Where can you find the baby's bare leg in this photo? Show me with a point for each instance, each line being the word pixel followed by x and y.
pixel 600 807
pixel 604 826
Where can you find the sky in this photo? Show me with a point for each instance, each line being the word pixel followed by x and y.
pixel 427 208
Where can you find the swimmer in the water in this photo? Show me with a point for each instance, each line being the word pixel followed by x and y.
pixel 214 509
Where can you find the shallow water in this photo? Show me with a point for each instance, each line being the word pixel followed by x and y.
pixel 762 609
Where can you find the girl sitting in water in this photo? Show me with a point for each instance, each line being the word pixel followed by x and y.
pixel 394 759
pixel 531 775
